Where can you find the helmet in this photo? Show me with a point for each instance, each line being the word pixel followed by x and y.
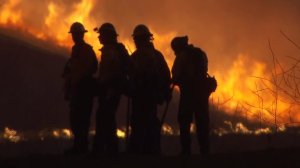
pixel 141 30
pixel 179 42
pixel 77 28
pixel 107 28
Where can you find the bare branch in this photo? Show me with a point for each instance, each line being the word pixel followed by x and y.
pixel 295 44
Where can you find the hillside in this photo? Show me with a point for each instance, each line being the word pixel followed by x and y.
pixel 31 86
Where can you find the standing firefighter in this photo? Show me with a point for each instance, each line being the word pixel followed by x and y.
pixel 151 86
pixel 111 82
pixel 78 75
pixel 189 72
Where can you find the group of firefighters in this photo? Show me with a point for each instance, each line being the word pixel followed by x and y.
pixel 144 77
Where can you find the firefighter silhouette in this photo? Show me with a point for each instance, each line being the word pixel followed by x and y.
pixel 151 83
pixel 79 84
pixel 112 78
pixel 189 72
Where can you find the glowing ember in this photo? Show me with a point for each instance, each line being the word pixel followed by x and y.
pixel 168 130
pixel 62 133
pixel 193 128
pixel 262 131
pixel 67 132
pixel 121 134
pixel 11 135
pixel 240 128
pixel 220 131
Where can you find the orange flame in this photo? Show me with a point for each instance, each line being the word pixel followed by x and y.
pixel 57 22
pixel 247 87
pixel 9 14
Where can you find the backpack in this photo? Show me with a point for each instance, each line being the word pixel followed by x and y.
pixel 211 84
pixel 201 58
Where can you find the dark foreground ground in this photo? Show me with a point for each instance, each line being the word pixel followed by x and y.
pixel 268 158
pixel 229 151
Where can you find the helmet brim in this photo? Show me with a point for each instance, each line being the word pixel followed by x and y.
pixel 138 35
pixel 97 30
pixel 78 31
